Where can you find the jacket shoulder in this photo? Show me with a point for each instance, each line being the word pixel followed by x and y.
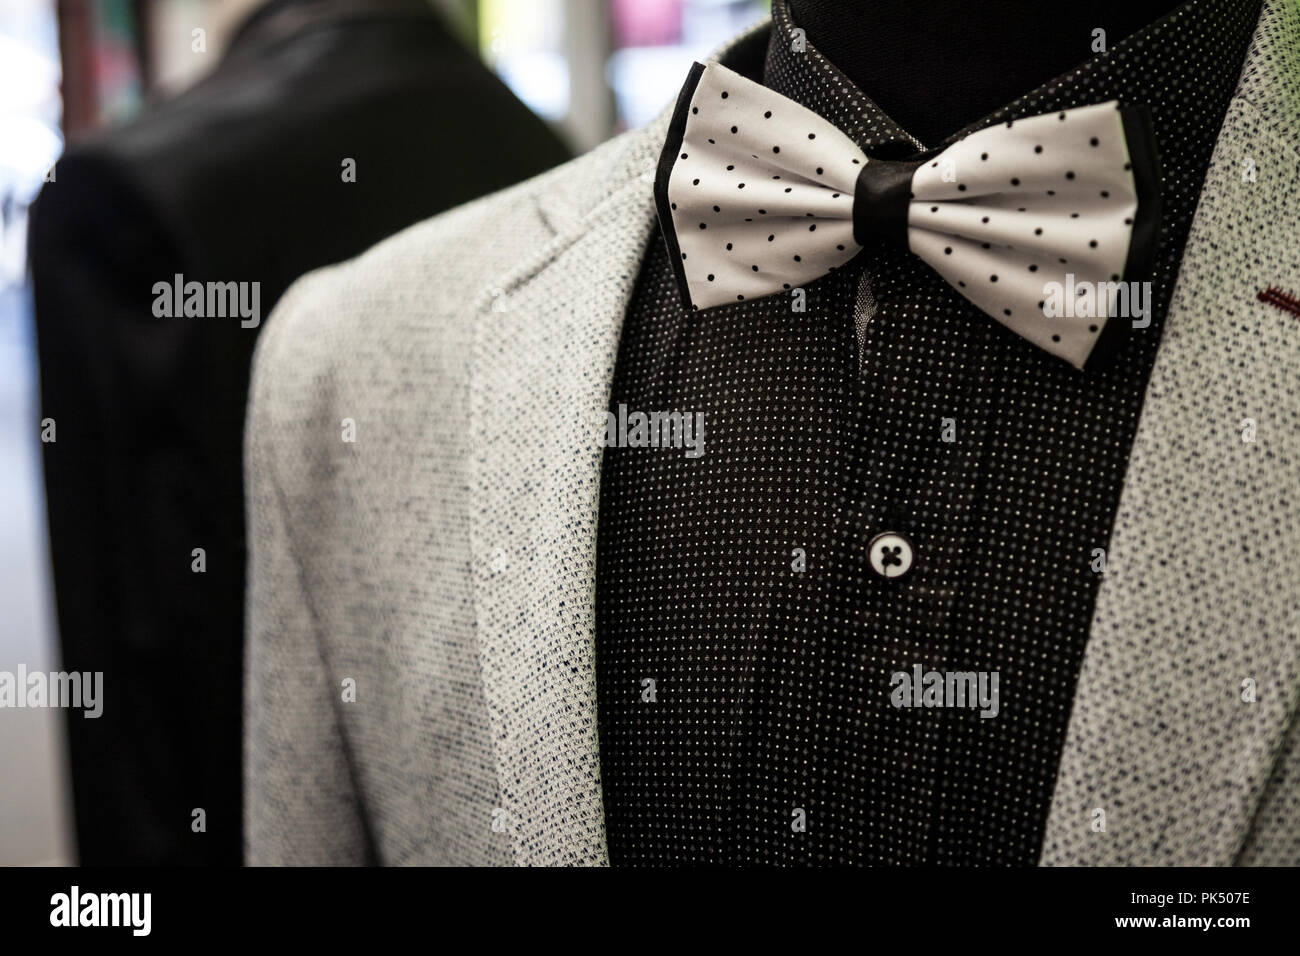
pixel 404 310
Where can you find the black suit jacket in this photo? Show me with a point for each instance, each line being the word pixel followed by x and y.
pixel 237 180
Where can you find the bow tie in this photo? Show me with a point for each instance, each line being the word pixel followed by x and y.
pixel 1047 224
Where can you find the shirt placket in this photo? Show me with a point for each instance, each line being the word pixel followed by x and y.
pixel 919 435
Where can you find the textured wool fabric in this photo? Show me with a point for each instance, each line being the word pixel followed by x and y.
pixel 353 568
pixel 758 194
pixel 364 571
pixel 772 682
pixel 1207 539
pixel 1274 839
pixel 446 559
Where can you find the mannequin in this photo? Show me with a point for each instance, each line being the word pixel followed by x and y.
pixel 936 67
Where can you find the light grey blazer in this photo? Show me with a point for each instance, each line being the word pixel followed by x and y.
pixel 421 628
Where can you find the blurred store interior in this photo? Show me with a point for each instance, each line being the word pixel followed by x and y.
pixel 590 68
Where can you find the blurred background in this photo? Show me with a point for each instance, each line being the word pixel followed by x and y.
pixel 589 68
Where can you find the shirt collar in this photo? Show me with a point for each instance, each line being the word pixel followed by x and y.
pixel 807 77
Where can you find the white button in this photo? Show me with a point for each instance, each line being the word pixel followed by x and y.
pixel 890 554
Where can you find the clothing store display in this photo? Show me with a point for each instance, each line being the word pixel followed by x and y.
pixel 564 652
pixel 322 130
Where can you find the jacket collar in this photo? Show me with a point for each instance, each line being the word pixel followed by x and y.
pixel 277 20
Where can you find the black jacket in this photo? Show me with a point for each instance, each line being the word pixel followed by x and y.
pixel 240 179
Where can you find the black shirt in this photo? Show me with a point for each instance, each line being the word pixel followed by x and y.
pixel 745 647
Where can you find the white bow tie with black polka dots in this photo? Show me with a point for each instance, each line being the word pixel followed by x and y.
pixel 1048 224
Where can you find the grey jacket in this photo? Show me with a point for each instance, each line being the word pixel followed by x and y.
pixel 423 470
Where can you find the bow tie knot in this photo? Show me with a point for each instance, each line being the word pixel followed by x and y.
pixel 881 198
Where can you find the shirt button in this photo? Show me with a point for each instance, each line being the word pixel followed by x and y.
pixel 890 554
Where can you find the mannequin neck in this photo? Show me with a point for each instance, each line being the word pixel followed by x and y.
pixel 937 66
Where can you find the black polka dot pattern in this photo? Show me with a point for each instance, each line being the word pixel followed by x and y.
pixel 823 428
pixel 991 232
pixel 960 205
pixel 790 162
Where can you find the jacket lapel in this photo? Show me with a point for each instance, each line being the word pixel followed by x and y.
pixel 543 362
pixel 1197 612
pixel 542 369
pixel 541 373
